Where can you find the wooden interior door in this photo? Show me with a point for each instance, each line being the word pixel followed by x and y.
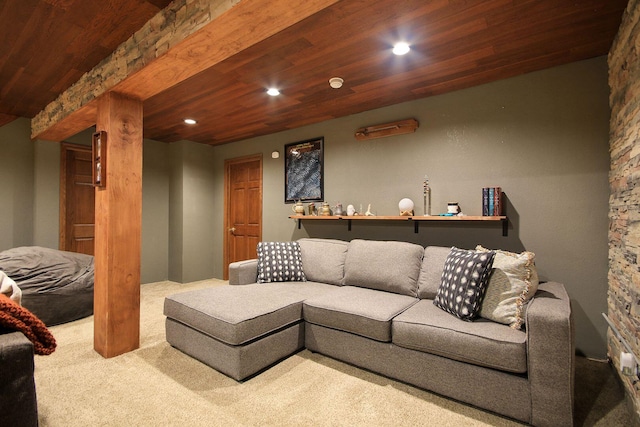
pixel 77 200
pixel 243 209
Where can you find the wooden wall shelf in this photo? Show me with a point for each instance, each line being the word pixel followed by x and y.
pixel 416 220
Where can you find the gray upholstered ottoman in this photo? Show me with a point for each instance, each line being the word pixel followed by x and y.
pixel 240 330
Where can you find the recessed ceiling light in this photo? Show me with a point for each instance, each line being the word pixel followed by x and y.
pixel 190 121
pixel 273 91
pixel 401 48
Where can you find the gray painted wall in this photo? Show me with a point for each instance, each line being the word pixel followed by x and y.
pixel 46 198
pixel 155 212
pixel 176 221
pixel 542 137
pixel 192 247
pixel 16 185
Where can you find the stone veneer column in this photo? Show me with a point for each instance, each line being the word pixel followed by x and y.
pixel 624 201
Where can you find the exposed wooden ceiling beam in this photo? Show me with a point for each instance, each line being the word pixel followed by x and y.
pixel 179 42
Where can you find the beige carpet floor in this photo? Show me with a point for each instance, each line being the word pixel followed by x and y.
pixel 158 385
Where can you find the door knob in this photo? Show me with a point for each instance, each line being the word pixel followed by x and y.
pixel 232 230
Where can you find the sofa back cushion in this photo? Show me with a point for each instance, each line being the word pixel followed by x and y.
pixel 323 260
pixel 384 265
pixel 431 271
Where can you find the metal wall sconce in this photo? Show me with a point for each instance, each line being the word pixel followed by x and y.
pixel 388 129
pixel 99 158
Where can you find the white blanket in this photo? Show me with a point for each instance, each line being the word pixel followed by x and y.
pixel 9 288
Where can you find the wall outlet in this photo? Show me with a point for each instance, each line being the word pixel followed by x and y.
pixel 627 364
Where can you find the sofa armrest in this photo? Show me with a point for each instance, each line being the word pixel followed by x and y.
pixel 551 355
pixel 243 272
pixel 18 405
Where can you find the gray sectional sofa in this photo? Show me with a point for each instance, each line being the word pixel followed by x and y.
pixel 370 304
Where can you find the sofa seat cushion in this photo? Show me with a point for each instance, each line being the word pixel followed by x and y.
pixel 236 315
pixel 361 311
pixel 384 265
pixel 427 328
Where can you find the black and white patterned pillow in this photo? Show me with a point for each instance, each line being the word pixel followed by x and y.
pixel 464 282
pixel 279 262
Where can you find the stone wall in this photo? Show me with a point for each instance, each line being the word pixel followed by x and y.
pixel 624 179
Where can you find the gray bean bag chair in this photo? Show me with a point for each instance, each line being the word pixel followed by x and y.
pixel 57 286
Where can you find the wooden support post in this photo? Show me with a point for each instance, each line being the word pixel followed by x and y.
pixel 118 227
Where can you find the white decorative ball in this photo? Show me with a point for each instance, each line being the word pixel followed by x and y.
pixel 405 205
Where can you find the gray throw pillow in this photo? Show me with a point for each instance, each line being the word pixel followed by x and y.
pixel 464 282
pixel 279 262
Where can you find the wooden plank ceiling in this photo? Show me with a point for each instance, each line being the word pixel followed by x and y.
pixel 46 45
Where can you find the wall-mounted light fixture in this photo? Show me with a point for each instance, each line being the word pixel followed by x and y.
pixel 387 129
pixel 99 158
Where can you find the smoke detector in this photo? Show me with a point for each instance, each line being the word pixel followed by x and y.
pixel 336 82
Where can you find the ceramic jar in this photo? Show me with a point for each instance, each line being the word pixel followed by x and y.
pixel 298 208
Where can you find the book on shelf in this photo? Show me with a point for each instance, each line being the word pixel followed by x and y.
pixel 485 201
pixel 497 201
pixel 491 201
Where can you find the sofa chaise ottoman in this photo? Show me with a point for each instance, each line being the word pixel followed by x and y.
pixel 240 330
pixel 371 304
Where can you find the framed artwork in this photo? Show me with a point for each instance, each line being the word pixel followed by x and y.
pixel 304 171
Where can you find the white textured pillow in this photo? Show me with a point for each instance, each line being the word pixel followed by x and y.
pixel 513 282
pixel 9 288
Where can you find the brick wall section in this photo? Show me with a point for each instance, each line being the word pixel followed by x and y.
pixel 624 202
pixel 167 28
